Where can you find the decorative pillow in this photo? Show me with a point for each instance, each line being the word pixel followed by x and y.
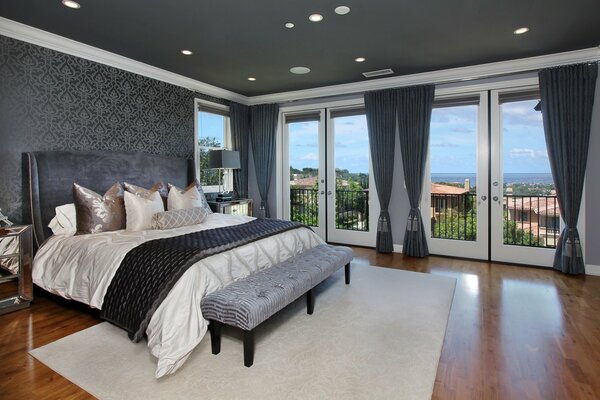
pixel 97 213
pixel 65 221
pixel 190 197
pixel 159 187
pixel 177 218
pixel 140 210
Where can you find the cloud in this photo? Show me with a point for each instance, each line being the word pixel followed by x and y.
pixel 310 157
pixel 462 129
pixel 313 145
pixel 340 144
pixel 438 144
pixel 527 153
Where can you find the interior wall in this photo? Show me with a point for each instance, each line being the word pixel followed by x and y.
pixel 54 101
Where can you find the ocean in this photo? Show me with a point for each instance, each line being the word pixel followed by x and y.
pixel 528 178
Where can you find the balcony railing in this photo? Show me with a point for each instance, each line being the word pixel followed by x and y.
pixel 352 208
pixel 454 216
pixel 532 221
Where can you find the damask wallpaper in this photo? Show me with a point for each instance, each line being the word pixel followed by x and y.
pixel 54 101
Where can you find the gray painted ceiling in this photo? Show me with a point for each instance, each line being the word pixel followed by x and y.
pixel 235 39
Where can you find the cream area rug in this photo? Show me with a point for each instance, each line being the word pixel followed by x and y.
pixel 378 338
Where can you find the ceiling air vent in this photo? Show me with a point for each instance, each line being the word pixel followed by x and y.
pixel 379 72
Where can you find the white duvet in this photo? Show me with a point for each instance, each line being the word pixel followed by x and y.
pixel 82 267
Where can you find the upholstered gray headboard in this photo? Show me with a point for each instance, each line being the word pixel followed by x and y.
pixel 51 175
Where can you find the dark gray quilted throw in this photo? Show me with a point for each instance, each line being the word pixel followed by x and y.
pixel 149 271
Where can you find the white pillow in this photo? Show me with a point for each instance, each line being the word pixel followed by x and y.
pixel 178 200
pixel 139 211
pixel 65 221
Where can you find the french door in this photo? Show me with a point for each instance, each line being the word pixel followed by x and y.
pixel 329 185
pixel 489 192
pixel 455 202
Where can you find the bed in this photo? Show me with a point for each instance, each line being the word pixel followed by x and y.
pixel 81 267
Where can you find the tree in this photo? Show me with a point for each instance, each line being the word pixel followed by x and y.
pixel 208 177
pixel 515 235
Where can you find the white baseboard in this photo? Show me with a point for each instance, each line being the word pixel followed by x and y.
pixel 592 269
pixel 398 249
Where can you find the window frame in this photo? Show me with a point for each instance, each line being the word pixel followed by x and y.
pixel 227 142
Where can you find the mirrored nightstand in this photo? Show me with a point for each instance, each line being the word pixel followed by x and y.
pixel 16 257
pixel 233 207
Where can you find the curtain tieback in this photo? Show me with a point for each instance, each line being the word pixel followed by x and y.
pixel 414 220
pixel 573 241
pixel 384 221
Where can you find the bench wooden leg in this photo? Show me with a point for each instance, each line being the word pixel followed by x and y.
pixel 215 336
pixel 310 302
pixel 248 348
pixel 347 271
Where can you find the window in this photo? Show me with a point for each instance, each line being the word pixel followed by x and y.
pixel 212 133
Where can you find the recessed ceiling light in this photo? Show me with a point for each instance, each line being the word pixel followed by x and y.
pixel 71 4
pixel 299 70
pixel 315 17
pixel 289 25
pixel 251 78
pixel 342 10
pixel 360 59
pixel 521 31
pixel 186 52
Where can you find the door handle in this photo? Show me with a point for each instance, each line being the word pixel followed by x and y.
pixel 329 192
pixel 495 198
pixel 322 192
pixel 483 198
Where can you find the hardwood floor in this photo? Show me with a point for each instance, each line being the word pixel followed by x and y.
pixel 514 333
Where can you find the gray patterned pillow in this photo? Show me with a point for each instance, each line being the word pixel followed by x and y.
pixel 159 187
pixel 97 213
pixel 177 218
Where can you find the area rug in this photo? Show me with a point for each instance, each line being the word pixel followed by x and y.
pixel 378 338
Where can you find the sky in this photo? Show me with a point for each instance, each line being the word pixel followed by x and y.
pixel 211 125
pixel 452 141
pixel 351 144
pixel 454 134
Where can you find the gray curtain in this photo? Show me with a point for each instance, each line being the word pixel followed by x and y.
pixel 263 128
pixel 414 115
pixel 239 116
pixel 567 99
pixel 380 108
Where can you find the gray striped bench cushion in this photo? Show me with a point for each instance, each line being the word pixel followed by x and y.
pixel 250 301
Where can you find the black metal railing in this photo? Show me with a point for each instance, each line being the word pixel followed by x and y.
pixel 352 208
pixel 454 216
pixel 532 221
pixel 304 206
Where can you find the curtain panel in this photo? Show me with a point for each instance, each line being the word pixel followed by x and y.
pixel 567 100
pixel 263 130
pixel 239 116
pixel 380 109
pixel 414 117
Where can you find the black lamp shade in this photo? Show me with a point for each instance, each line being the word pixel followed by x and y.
pixel 228 159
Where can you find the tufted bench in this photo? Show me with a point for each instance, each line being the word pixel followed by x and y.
pixel 248 302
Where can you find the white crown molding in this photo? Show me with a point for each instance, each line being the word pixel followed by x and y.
pixel 461 74
pixel 49 40
pixel 592 269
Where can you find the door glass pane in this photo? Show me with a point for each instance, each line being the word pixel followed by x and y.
pixel 531 211
pixel 351 163
pixel 304 171
pixel 453 157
